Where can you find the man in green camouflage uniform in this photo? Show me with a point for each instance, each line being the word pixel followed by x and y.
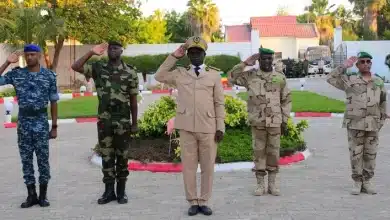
pixel 364 117
pixel 117 89
pixel 269 106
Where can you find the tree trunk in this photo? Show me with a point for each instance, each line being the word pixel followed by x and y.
pixel 370 22
pixel 46 57
pixel 57 51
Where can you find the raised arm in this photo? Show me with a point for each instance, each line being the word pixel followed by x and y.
pixel 80 67
pixel 337 77
pixel 7 79
pixel 237 75
pixel 219 104
pixel 164 73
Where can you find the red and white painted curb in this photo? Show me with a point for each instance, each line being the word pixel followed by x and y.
pixel 92 119
pixel 177 167
pixel 67 96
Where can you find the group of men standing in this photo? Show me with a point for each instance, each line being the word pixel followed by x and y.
pixel 200 116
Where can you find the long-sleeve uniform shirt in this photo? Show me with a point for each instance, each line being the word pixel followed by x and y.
pixel 365 100
pixel 269 99
pixel 200 102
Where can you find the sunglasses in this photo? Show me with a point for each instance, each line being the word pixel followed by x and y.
pixel 365 61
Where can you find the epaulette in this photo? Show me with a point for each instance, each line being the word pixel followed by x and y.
pixel 382 78
pixel 15 68
pixel 131 67
pixel 213 68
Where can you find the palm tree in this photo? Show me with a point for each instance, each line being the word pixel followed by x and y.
pixel 204 18
pixel 321 11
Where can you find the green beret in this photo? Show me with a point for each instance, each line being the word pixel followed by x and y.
pixel 364 55
pixel 266 51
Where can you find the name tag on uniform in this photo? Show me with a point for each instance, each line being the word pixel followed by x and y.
pixel 19 78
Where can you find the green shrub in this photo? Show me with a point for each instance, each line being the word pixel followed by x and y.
pixel 150 63
pixel 152 124
pixel 236 113
pixel 8 93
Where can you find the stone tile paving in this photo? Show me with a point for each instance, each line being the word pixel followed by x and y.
pixel 314 189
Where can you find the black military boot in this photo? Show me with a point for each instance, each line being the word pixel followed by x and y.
pixel 108 195
pixel 43 201
pixel 121 192
pixel 32 198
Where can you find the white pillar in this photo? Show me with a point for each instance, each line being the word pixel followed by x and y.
pixel 255 41
pixel 337 37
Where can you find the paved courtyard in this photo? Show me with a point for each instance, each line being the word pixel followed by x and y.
pixel 314 189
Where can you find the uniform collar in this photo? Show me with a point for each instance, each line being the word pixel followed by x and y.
pixel 122 66
pixel 201 67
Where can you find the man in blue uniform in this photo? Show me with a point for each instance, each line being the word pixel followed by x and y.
pixel 34 86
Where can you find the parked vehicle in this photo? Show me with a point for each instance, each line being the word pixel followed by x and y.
pixel 320 60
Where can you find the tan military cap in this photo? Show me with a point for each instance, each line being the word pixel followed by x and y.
pixel 196 42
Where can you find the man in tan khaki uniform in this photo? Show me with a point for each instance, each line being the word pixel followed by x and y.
pixel 269 106
pixel 200 118
pixel 364 117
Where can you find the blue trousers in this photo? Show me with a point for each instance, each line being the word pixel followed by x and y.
pixel 34 139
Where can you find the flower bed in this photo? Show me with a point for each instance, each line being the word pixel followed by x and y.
pixel 153 143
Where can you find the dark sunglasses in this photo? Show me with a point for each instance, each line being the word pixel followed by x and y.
pixel 365 61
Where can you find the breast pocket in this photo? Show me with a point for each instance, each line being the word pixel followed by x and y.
pixel 256 87
pixel 18 81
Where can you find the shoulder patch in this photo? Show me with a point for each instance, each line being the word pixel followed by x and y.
pixel 131 67
pixel 350 73
pixel 382 78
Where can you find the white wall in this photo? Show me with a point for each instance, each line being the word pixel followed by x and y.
pixel 378 49
pixel 289 46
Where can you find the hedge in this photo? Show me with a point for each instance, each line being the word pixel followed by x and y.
pixel 150 63
pixel 237 143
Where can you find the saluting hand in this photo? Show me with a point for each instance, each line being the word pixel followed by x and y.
pixel 180 52
pixel 252 59
pixel 14 57
pixel 99 49
pixel 350 61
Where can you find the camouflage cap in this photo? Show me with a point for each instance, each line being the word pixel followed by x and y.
pixel 364 55
pixel 196 42
pixel 266 51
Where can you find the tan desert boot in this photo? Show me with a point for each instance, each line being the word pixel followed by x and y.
pixel 273 188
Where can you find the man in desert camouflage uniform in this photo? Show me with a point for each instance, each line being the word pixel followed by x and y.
pixel 364 117
pixel 117 89
pixel 269 106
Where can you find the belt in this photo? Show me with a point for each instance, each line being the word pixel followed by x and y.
pixel 30 112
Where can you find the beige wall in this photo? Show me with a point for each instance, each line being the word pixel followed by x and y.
pixel 289 46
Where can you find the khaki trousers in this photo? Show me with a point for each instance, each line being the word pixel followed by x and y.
pixel 202 148
pixel 266 149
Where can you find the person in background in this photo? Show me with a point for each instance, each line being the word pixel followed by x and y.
pixel 364 117
pixel 35 86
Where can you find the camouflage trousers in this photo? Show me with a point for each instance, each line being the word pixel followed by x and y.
pixel 266 146
pixel 32 138
pixel 114 143
pixel 363 147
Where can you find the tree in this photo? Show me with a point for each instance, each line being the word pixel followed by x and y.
pixel 83 20
pixel 204 18
pixel 153 29
pixel 321 11
pixel 282 11
pixel 369 10
pixel 178 26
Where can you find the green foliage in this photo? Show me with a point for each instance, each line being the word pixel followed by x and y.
pixel 153 121
pixel 154 29
pixel 178 27
pixel 150 63
pixel 236 113
pixel 8 93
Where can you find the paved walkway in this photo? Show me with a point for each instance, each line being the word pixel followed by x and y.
pixel 314 189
